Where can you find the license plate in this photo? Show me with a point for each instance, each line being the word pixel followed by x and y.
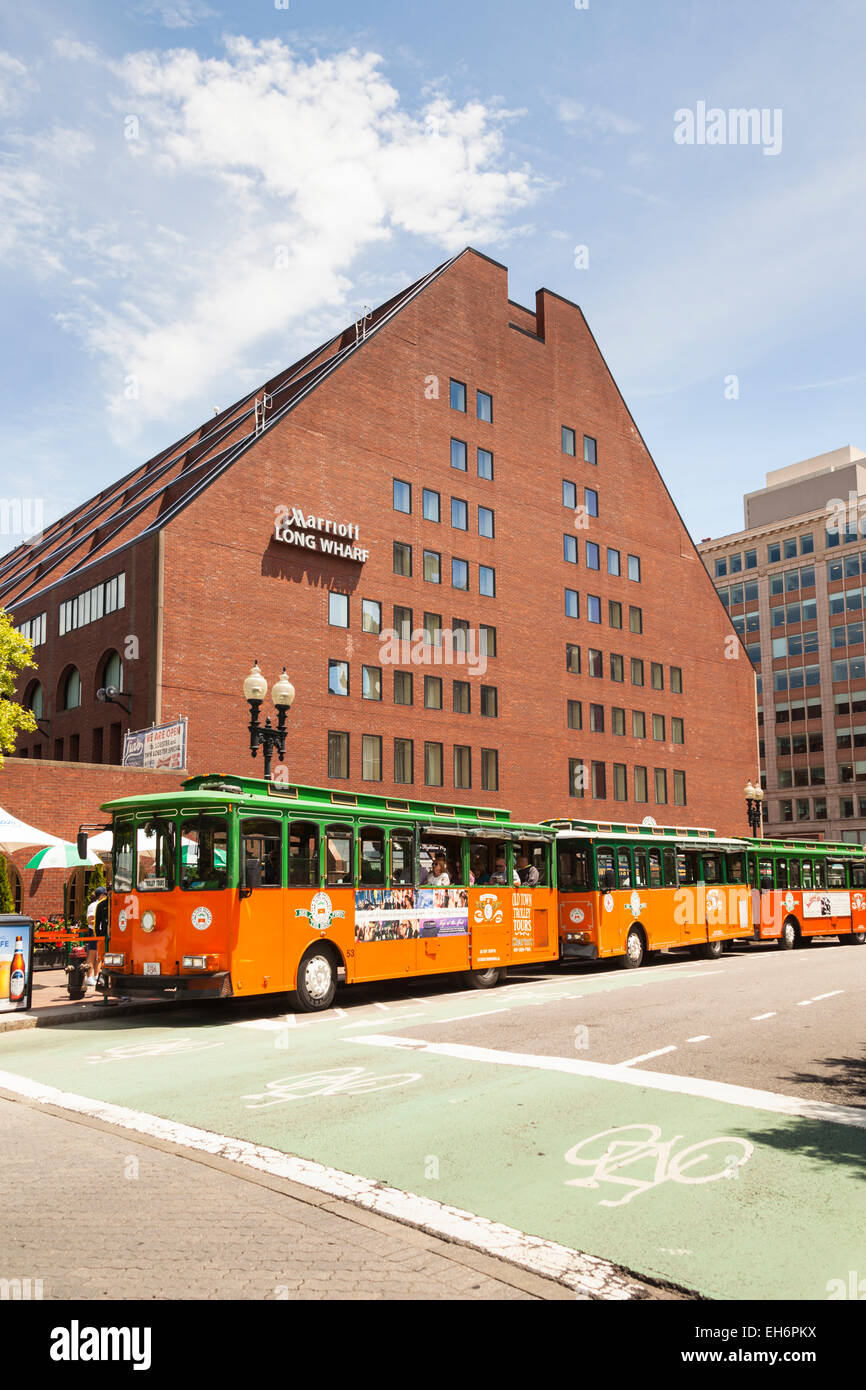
pixel 151 967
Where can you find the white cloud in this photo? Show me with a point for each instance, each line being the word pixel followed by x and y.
pixel 178 14
pixel 595 118
pixel 16 82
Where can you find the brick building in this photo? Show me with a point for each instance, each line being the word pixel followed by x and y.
pixel 458 466
pixel 793 581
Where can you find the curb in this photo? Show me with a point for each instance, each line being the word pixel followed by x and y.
pixel 56 1014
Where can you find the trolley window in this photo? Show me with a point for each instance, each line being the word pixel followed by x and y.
pixel 303 854
pixel 402 853
pixel 372 857
pixel 836 875
pixel 623 868
pixel 655 868
pixel 640 869
pixel 670 865
pixel 781 873
pixel 807 873
pixel 736 872
pixel 575 873
pixel 123 853
pixel 204 854
pixel 261 853
pixel 605 867
pixel 712 868
pixel 794 867
pixel 530 863
pixel 338 856
pixel 820 873
pixel 687 866
pixel 765 873
pixel 440 861
pixel 858 875
pixel 156 859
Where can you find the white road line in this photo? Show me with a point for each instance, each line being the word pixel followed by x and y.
pixel 702 1037
pixel 758 1018
pixel 479 1013
pixel 369 1022
pixel 653 1081
pixel 588 1275
pixel 801 1003
pixel 645 1056
pixel 831 994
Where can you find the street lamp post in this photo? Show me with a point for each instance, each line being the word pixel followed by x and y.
pixel 265 735
pixel 754 797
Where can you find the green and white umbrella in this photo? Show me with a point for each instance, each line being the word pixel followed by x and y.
pixel 189 855
pixel 62 856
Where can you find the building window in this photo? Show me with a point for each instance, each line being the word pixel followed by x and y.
pixel 590 501
pixel 612 561
pixel 634 568
pixel 576 777
pixel 679 788
pixel 485 523
pixel 487 581
pixel 596 719
pixel 569 494
pixel 638 724
pixel 34 629
pixel 433 764
pixel 751 558
pixel 433 629
pixel 487 643
pixel 484 406
pixel 371 616
pixel 599 782
pixel 676 680
pixel 371 682
pixel 403 623
pixel 371 758
pixel 569 549
pixel 459 574
pixel 459 514
pixel 592 556
pixel 432 692
pixel 661 786
pixel 338 677
pixel 657 675
pixel 774 553
pixel 807 544
pixel 568 441
pixel 572 603
pixel 640 784
pixel 338 755
pixel 402 496
pixel 572 659
pixel 402 687
pixel 721 568
pixel 635 619
pixel 489 770
pixel 458 395
pixel 617 667
pixel 575 714
pixel 72 690
pixel 485 464
pixel 87 607
pixel 402 559
pixel 617 721
pixel 338 610
pixel 636 671
pixel 614 613
pixel 677 731
pixel 461 697
pixel 620 782
pixel 458 454
pixel 593 608
pixel 404 761
pixel 490 701
pixel 431 505
pixel 459 635
pixel 462 766
pixel 596 662
pixel 432 567
pixel 659 728
pixel 791 549
pixel 590 450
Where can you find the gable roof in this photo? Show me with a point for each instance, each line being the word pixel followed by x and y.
pixel 146 500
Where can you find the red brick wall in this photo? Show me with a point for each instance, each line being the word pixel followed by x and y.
pixel 57 798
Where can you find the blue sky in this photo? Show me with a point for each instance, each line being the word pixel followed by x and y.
pixel 191 194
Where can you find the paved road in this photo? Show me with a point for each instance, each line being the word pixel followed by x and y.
pixel 735 1089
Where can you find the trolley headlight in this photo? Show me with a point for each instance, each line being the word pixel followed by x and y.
pixel 148 920
pixel 195 962
pixel 115 960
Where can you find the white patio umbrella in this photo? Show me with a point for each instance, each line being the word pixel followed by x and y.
pixel 103 842
pixel 17 834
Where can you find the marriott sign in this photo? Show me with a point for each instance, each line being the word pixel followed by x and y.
pixel 294 527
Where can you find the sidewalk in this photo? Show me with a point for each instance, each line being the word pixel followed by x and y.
pixel 50 1004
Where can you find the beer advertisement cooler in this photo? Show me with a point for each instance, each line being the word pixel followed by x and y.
pixel 16 962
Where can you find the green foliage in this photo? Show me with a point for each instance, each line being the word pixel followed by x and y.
pixel 7 898
pixel 16 655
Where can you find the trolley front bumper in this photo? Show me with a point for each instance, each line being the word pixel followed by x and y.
pixel 578 950
pixel 211 986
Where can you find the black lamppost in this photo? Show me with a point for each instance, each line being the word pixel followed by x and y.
pixel 265 735
pixel 754 797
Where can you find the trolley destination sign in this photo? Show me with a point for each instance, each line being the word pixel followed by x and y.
pixel 292 526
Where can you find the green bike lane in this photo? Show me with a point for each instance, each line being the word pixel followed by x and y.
pixel 726 1199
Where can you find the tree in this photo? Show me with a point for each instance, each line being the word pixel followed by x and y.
pixel 7 897
pixel 16 655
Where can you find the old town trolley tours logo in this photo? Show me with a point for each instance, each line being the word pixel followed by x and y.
pixel 320 914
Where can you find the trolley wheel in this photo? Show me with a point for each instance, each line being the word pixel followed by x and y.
pixel 635 950
pixel 317 981
pixel 790 934
pixel 708 950
pixel 857 938
pixel 482 979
